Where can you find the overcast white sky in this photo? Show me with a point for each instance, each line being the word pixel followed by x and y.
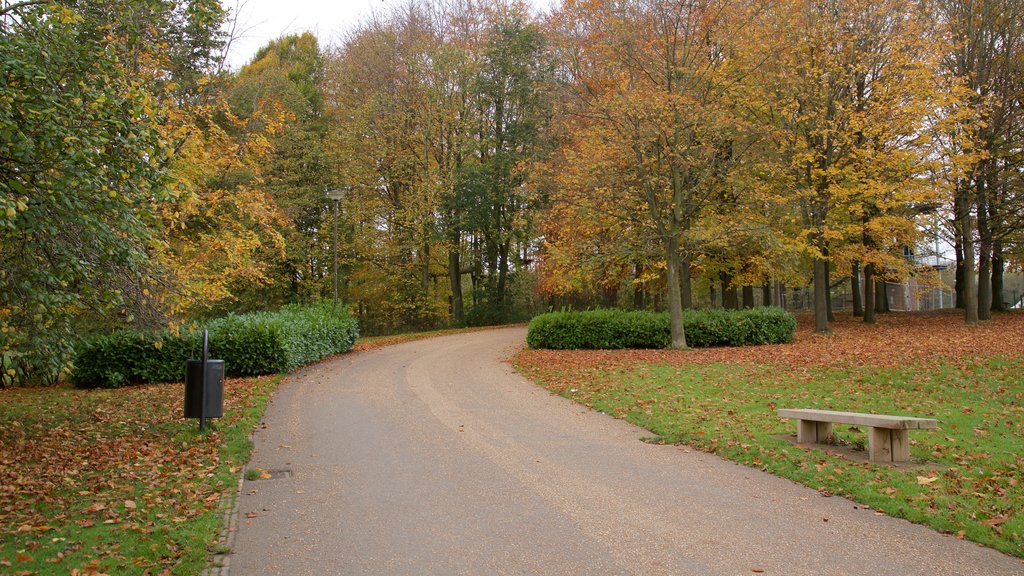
pixel 260 21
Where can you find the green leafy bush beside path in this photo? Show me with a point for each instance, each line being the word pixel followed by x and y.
pixel 613 329
pixel 250 345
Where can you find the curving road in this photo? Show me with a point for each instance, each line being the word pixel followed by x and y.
pixel 436 458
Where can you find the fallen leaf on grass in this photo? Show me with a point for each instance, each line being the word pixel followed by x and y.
pixel 130 504
pixel 997 521
pixel 925 481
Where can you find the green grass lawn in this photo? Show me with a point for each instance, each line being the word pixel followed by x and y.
pixel 968 477
pixel 116 481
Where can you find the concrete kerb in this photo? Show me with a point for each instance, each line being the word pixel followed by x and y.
pixel 220 561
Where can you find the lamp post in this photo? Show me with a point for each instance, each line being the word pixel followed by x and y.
pixel 336 195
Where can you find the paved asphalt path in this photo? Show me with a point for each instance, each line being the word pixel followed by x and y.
pixel 436 458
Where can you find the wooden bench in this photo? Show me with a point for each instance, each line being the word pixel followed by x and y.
pixel 888 436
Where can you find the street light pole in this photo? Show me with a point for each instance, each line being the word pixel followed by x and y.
pixel 336 195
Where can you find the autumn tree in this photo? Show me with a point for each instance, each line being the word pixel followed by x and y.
pixel 510 102
pixel 86 95
pixel 283 82
pixel 435 110
pixel 984 66
pixel 654 84
pixel 854 87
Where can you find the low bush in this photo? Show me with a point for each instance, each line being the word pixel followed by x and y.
pixel 611 329
pixel 250 345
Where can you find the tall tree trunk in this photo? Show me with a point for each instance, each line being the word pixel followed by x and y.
pixel 881 297
pixel 455 278
pixel 711 292
pixel 965 231
pixel 730 297
pixel 828 293
pixel 984 255
pixel 425 269
pixel 858 303
pixel 766 293
pixel 998 267
pixel 686 282
pixel 638 288
pixel 820 295
pixel 958 249
pixel 501 293
pixel 675 302
pixel 869 293
pixel 748 297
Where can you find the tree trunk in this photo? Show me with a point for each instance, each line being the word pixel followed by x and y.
pixel 748 297
pixel 820 295
pixel 455 279
pixel 984 256
pixel 958 249
pixel 858 303
pixel 730 297
pixel 638 288
pixel 502 287
pixel 686 282
pixel 425 269
pixel 998 266
pixel 869 294
pixel 965 231
pixel 828 293
pixel 881 297
pixel 766 293
pixel 675 302
pixel 711 292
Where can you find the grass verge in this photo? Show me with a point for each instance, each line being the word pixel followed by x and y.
pixel 968 480
pixel 116 481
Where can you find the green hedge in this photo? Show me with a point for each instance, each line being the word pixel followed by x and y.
pixel 250 345
pixel 612 329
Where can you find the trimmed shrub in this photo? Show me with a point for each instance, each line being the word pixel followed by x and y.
pixel 249 344
pixel 130 357
pixel 612 329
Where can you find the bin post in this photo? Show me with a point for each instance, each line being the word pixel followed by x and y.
pixel 204 386
pixel 206 360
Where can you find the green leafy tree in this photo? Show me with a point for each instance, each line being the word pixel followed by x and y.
pixel 81 169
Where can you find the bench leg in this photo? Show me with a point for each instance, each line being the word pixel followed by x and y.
pixel 886 445
pixel 900 445
pixel 811 432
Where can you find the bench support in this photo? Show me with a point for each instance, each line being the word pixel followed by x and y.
pixel 809 431
pixel 885 445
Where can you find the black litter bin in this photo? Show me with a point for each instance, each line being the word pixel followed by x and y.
pixel 204 387
pixel 213 407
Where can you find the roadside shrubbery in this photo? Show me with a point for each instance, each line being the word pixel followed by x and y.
pixel 610 329
pixel 249 344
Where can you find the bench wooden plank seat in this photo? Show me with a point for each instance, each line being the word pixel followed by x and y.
pixel 888 436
